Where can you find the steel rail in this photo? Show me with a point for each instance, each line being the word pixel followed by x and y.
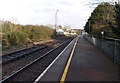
pixel 23 68
pixel 21 53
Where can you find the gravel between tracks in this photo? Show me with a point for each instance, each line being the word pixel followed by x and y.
pixel 30 73
pixel 14 66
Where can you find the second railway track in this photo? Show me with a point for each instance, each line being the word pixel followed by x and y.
pixel 42 62
pixel 21 53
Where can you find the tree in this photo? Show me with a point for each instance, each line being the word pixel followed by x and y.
pixel 118 15
pixel 115 26
pixel 100 19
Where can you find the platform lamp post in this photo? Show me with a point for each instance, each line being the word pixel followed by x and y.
pixel 89 25
pixel 102 33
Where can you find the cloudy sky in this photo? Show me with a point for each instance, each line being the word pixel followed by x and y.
pixel 72 13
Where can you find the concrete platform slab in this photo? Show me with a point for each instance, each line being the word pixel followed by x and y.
pixel 90 64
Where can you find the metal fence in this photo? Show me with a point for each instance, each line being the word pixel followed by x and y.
pixel 110 48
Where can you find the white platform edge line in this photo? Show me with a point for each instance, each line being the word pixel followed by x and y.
pixel 42 74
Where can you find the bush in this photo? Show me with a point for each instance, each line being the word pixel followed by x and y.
pixel 41 33
pixel 16 34
pixel 23 37
pixel 17 38
pixel 5 41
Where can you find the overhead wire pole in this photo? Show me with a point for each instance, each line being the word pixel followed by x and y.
pixel 56 19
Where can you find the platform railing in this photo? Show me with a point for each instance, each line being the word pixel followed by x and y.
pixel 110 46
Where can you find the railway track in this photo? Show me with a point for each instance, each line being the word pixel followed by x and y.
pixel 23 52
pixel 14 65
pixel 35 67
pixel 18 62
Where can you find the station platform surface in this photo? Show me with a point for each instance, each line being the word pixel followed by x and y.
pixel 88 63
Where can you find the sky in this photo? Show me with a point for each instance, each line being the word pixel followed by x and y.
pixel 73 13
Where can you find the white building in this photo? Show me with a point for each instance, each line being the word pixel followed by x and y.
pixel 60 32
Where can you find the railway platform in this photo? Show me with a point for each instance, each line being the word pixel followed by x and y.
pixel 80 61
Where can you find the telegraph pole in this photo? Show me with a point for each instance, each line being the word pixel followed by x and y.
pixel 56 19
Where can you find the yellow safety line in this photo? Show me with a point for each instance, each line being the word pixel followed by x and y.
pixel 68 64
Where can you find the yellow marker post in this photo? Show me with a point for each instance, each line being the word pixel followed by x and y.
pixel 68 64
